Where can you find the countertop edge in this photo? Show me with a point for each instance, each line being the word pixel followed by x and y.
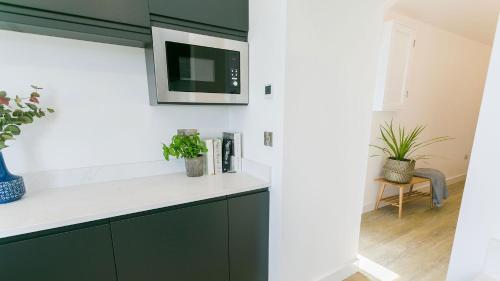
pixel 12 233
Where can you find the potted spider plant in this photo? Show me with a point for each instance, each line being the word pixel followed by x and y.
pixel 400 147
pixel 187 144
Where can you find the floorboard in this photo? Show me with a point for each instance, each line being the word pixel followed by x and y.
pixel 417 247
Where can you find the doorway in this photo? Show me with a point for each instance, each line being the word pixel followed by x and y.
pixel 438 82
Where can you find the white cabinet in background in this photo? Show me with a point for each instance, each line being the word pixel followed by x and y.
pixel 393 67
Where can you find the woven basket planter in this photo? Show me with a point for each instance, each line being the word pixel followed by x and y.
pixel 399 171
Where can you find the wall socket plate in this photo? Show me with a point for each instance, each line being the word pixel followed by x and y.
pixel 268 139
pixel 268 90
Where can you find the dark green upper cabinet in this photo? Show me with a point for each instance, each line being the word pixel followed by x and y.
pixel 186 244
pixel 230 14
pixel 79 255
pixel 123 22
pixel 132 12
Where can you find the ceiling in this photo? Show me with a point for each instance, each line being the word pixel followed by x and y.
pixel 474 19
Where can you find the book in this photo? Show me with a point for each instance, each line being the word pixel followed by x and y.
pixel 227 151
pixel 231 152
pixel 218 156
pixel 237 152
pixel 209 157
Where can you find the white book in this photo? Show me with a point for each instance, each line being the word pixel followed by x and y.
pixel 237 152
pixel 209 157
pixel 218 156
pixel 233 164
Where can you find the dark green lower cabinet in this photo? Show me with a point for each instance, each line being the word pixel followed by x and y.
pixel 186 244
pixel 79 255
pixel 248 237
pixel 224 240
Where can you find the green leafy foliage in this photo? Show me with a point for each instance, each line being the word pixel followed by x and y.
pixel 184 146
pixel 17 112
pixel 402 144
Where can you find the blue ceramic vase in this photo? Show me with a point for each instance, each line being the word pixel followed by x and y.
pixel 11 186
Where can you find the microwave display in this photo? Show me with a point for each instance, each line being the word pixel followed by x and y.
pixel 192 68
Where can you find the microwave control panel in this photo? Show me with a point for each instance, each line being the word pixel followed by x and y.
pixel 234 73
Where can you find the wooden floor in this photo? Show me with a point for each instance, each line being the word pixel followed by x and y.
pixel 358 277
pixel 417 247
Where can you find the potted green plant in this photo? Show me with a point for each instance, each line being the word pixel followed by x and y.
pixel 191 148
pixel 400 146
pixel 14 113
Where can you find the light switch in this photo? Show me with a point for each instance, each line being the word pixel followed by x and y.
pixel 268 139
pixel 268 90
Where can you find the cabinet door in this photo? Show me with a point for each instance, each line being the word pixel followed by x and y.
pixel 399 63
pixel 232 14
pixel 133 12
pixel 248 237
pixel 79 255
pixel 187 244
pixel 394 67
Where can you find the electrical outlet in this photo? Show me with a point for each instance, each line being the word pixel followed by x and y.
pixel 268 139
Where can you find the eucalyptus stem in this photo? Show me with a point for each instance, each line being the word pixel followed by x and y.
pixel 17 112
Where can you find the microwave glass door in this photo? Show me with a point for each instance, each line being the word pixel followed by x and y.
pixel 192 68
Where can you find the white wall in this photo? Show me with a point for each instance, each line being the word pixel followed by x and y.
pixel 446 82
pixel 479 214
pixel 100 95
pixel 265 113
pixel 330 66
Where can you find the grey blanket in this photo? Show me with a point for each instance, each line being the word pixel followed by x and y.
pixel 438 181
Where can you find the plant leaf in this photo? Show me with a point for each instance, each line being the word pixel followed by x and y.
pixel 26 119
pixel 6 136
pixel 13 129
pixel 32 106
pixel 19 101
pixel 4 100
pixel 17 113
pixel 184 146
pixel 401 144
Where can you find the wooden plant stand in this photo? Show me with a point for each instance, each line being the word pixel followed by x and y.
pixel 403 197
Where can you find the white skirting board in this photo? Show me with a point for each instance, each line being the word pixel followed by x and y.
pixel 450 180
pixel 341 273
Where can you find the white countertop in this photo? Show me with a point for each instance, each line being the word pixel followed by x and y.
pixel 56 207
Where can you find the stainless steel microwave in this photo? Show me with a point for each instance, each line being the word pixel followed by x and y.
pixel 197 69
